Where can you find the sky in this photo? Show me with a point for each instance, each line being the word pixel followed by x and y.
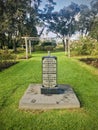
pixel 61 3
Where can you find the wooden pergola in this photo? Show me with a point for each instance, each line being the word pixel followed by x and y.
pixel 28 44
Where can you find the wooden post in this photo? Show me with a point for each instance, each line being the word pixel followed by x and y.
pixel 26 48
pixel 69 48
pixel 30 46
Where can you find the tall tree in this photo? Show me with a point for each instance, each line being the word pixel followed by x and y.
pixel 2 34
pixel 94 28
pixel 45 15
pixel 18 19
pixel 94 6
pixel 63 22
pixel 85 20
pixel 88 24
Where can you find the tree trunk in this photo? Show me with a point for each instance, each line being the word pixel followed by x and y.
pixel 68 47
pixel 14 46
pixel 64 44
pixel 30 47
pixel 97 38
pixel 1 47
pixel 8 42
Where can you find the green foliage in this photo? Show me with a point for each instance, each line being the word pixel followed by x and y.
pixel 15 80
pixel 17 19
pixel 85 46
pixel 38 47
pixel 85 20
pixel 94 29
pixel 34 43
pixel 7 59
pixel 48 45
pixel 88 24
pixel 6 55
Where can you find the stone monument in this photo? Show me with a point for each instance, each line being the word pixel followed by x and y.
pixel 49 94
pixel 49 74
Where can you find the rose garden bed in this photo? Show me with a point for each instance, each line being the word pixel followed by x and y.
pixel 90 61
pixel 6 64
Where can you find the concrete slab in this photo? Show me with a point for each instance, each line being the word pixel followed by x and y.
pixel 33 99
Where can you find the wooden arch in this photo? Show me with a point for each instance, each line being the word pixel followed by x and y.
pixel 28 44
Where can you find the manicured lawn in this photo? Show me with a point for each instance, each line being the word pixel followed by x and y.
pixel 15 80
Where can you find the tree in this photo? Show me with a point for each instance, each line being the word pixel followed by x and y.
pixel 18 19
pixel 63 22
pixel 94 28
pixel 85 19
pixel 88 23
pixel 94 6
pixel 2 35
pixel 45 14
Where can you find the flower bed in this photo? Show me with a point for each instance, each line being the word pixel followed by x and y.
pixel 91 61
pixel 7 59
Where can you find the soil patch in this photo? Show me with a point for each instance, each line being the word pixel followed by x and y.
pixel 90 61
pixel 6 64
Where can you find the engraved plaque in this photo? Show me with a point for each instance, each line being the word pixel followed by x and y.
pixel 49 66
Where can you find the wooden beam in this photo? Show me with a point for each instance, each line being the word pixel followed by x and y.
pixel 31 38
pixel 26 48
pixel 30 47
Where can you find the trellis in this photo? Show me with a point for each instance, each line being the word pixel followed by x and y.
pixel 28 44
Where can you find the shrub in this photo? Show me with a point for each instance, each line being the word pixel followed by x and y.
pixel 38 47
pixel 23 56
pixel 85 46
pixel 6 59
pixel 47 45
pixel 48 48
pixel 59 47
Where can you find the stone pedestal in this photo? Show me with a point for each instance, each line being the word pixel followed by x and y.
pixel 49 75
pixel 33 99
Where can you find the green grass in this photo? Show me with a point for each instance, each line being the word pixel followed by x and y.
pixel 15 80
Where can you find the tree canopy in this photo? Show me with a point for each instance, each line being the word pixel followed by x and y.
pixel 20 18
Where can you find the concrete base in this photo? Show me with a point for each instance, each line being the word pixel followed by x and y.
pixel 33 99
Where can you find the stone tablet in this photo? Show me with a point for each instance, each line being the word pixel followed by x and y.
pixel 49 69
